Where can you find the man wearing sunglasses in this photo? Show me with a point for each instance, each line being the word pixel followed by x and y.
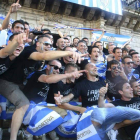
pixel 127 64
pixel 115 75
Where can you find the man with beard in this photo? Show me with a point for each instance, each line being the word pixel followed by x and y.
pixel 88 88
pixel 127 64
pixel 113 77
pixel 75 43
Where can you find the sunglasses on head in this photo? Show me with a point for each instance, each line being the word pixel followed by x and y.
pixel 56 68
pixel 128 63
pixel 114 67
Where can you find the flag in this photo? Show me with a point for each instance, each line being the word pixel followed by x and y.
pixel 113 6
pixel 85 128
pixel 41 119
pixel 109 37
pixel 68 128
pixel 137 135
pixel 62 26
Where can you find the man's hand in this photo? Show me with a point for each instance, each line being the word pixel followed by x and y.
pixel 22 38
pixel 76 74
pixel 58 98
pixel 82 110
pixel 14 7
pixel 122 73
pixel 103 90
pixel 77 57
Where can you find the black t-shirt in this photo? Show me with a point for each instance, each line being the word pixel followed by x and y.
pixel 138 69
pixel 22 67
pixel 5 63
pixel 89 91
pixel 112 82
pixel 64 89
pixel 135 104
pixel 34 90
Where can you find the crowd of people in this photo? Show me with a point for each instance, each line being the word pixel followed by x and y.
pixel 32 69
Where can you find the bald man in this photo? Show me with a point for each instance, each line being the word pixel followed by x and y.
pixel 60 44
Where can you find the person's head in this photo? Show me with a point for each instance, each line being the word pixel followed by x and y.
pixel 69 38
pixel 127 64
pixel 60 44
pixel 99 45
pixel 26 24
pixel 51 37
pixel 91 70
pixel 81 47
pixel 20 47
pixel 117 52
pixel 125 90
pixel 115 68
pixel 131 51
pixel 86 40
pixel 43 43
pixel 124 52
pixel 94 53
pixel 68 59
pixel 110 48
pixel 18 26
pixel 45 30
pixel 127 46
pixel 67 43
pixel 54 67
pixel 135 58
pixel 71 67
pixel 136 88
pixel 75 41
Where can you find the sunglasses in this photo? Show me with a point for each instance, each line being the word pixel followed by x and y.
pixel 128 63
pixel 56 68
pixel 114 67
pixel 46 44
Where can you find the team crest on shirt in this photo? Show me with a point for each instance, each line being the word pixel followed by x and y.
pixel 104 3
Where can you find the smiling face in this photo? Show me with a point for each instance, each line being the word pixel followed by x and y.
pixel 81 47
pixel 60 44
pixel 44 44
pixel 18 28
pixel 126 92
pixel 92 69
pixel 115 70
pixel 128 65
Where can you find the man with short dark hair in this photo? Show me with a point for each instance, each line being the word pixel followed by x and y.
pixel 75 43
pixel 86 40
pixel 127 100
pixel 117 52
pixel 124 52
pixel 113 77
pixel 136 59
pixel 127 64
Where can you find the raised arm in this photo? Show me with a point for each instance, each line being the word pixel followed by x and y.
pixel 13 8
pixel 50 55
pixel 9 49
pixel 54 78
pixel 101 102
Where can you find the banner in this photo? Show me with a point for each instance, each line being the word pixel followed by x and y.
pixel 41 119
pixel 115 38
pixel 85 128
pixel 113 6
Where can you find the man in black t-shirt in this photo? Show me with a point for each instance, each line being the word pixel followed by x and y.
pixel 113 77
pixel 88 88
pixel 66 85
pixel 17 72
pixel 127 100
